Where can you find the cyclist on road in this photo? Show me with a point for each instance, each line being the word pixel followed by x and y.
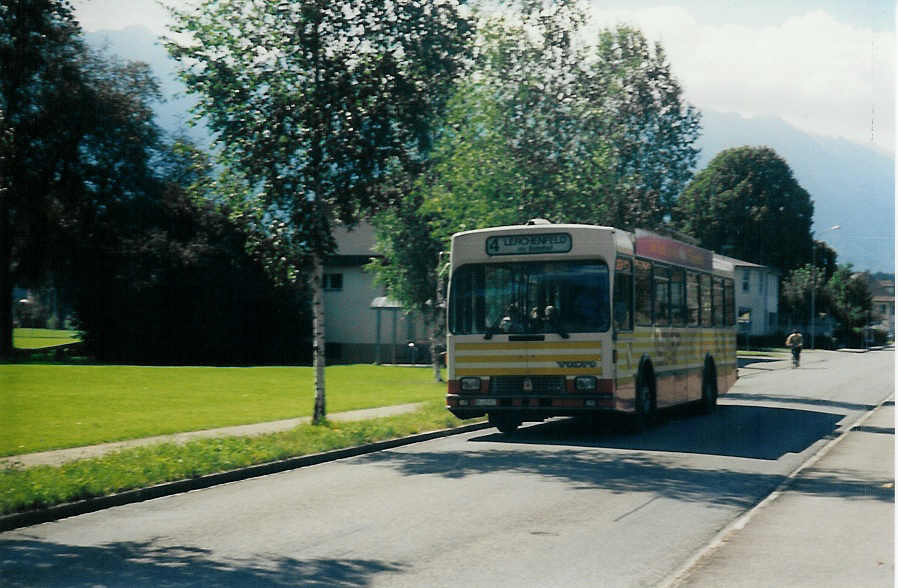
pixel 795 341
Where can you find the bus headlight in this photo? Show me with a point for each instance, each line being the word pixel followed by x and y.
pixel 586 383
pixel 470 384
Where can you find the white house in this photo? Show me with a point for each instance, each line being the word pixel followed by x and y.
pixel 757 298
pixel 361 324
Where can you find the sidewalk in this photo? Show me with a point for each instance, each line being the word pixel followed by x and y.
pixel 832 525
pixel 61 456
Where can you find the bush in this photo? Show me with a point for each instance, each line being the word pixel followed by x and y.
pixel 180 288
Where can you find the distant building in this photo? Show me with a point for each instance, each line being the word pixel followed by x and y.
pixel 757 298
pixel 883 311
pixel 361 324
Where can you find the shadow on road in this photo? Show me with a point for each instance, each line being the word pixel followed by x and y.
pixel 32 562
pixel 752 361
pixel 755 432
pixel 620 461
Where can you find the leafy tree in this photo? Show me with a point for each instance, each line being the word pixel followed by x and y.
pixel 318 103
pixel 175 282
pixel 653 131
pixel 545 126
pixel 851 302
pixel 795 292
pixel 747 204
pixel 76 136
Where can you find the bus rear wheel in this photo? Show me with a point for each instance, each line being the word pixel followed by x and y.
pixel 645 405
pixel 506 423
pixel 708 403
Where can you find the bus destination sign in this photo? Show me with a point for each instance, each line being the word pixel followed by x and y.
pixel 529 244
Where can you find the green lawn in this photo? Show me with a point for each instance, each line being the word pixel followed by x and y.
pixel 55 406
pixel 37 487
pixel 38 338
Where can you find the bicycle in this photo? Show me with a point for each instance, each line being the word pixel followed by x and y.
pixel 796 357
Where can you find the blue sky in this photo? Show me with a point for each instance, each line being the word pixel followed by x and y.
pixel 827 67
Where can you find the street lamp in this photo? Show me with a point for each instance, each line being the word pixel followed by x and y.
pixel 813 320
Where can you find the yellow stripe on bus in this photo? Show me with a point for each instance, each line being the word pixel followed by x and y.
pixel 525 345
pixel 596 371
pixel 522 358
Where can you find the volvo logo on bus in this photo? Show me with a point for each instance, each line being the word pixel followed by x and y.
pixel 576 364
pixel 528 244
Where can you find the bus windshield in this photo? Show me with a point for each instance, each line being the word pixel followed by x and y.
pixel 530 298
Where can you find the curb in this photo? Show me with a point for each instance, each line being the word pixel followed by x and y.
pixel 88 505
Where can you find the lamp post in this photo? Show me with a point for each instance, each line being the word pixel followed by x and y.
pixel 813 317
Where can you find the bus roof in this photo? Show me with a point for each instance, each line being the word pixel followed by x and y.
pixel 640 242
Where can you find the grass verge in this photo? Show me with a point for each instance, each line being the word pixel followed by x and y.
pixel 24 489
pixel 47 407
pixel 40 338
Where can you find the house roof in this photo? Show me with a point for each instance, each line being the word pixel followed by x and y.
pixel 358 241
pixel 748 264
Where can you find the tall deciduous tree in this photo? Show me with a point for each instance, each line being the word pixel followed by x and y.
pixel 40 49
pixel 652 129
pixel 747 204
pixel 548 125
pixel 76 137
pixel 318 102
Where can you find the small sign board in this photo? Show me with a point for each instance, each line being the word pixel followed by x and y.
pixel 529 244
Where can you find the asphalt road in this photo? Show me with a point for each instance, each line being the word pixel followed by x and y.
pixel 558 503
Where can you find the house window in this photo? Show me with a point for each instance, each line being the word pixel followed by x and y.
pixel 333 282
pixel 746 281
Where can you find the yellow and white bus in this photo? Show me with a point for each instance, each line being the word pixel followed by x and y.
pixel 564 320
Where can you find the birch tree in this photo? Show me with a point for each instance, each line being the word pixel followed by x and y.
pixel 319 103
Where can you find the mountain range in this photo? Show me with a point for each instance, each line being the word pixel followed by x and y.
pixel 852 185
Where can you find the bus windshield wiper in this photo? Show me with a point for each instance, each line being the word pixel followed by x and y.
pixel 491 330
pixel 555 322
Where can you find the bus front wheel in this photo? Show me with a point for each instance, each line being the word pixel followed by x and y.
pixel 506 423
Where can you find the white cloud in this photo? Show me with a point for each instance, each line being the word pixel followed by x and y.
pixel 99 15
pixel 823 76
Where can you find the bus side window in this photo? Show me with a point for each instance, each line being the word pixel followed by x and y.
pixel 718 302
pixel 662 295
pixel 643 292
pixel 693 310
pixel 705 294
pixel 623 295
pixel 729 300
pixel 677 298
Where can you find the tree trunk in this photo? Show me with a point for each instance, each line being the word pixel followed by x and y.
pixel 435 343
pixel 437 338
pixel 6 285
pixel 318 338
